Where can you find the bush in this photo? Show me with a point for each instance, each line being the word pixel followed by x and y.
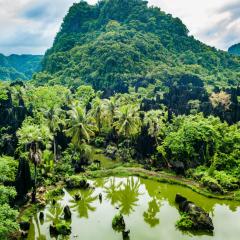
pixel 8 224
pixel 125 154
pixel 237 195
pixel 94 167
pixel 227 181
pixel 8 169
pixel 111 151
pixel 184 223
pixel 212 184
pixel 99 142
pixel 7 194
pixel 64 166
pixel 197 173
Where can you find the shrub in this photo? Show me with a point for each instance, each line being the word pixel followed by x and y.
pixel 111 151
pixel 7 194
pixel 99 141
pixel 8 224
pixel 94 167
pixel 8 169
pixel 226 181
pixel 211 184
pixel 184 223
pixel 197 173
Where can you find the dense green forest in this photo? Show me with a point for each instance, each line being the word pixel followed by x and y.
pixel 235 49
pixel 117 44
pixel 127 81
pixel 19 67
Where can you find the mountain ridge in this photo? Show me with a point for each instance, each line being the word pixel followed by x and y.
pixel 117 44
pixel 19 67
pixel 235 49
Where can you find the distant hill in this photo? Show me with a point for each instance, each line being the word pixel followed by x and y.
pixel 20 67
pixel 116 44
pixel 235 49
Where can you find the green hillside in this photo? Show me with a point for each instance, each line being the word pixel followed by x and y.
pixel 116 44
pixel 20 67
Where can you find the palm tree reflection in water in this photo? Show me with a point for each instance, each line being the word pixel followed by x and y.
pixel 84 204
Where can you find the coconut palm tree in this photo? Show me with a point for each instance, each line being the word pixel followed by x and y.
pixel 54 121
pixel 110 108
pixel 155 121
pixel 80 127
pixel 127 121
pixel 97 112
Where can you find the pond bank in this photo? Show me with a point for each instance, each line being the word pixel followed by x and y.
pixel 163 177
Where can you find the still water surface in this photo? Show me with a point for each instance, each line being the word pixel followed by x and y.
pixel 148 207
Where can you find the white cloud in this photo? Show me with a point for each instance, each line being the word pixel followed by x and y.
pixel 207 20
pixel 29 26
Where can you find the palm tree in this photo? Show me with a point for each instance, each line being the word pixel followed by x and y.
pixel 80 127
pixel 128 121
pixel 54 121
pixel 97 112
pixel 110 108
pixel 31 136
pixel 155 121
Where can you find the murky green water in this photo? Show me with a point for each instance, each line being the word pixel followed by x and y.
pixel 148 208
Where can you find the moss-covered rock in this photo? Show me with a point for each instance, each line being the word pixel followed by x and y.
pixel 67 213
pixel 56 192
pixel 193 217
pixel 77 182
pixel 61 228
pixel 118 223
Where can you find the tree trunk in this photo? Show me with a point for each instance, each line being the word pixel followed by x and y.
pixel 55 149
pixel 34 184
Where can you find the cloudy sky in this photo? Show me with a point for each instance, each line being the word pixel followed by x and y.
pixel 29 26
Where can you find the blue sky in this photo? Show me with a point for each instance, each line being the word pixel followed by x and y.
pixel 29 26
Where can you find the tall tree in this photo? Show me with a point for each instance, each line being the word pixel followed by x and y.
pixel 80 127
pixel 31 136
pixel 127 121
pixel 54 121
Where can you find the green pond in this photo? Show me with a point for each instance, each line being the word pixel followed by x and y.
pixel 148 208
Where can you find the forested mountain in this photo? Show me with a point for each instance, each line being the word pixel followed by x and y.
pixel 120 43
pixel 123 90
pixel 19 67
pixel 235 49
